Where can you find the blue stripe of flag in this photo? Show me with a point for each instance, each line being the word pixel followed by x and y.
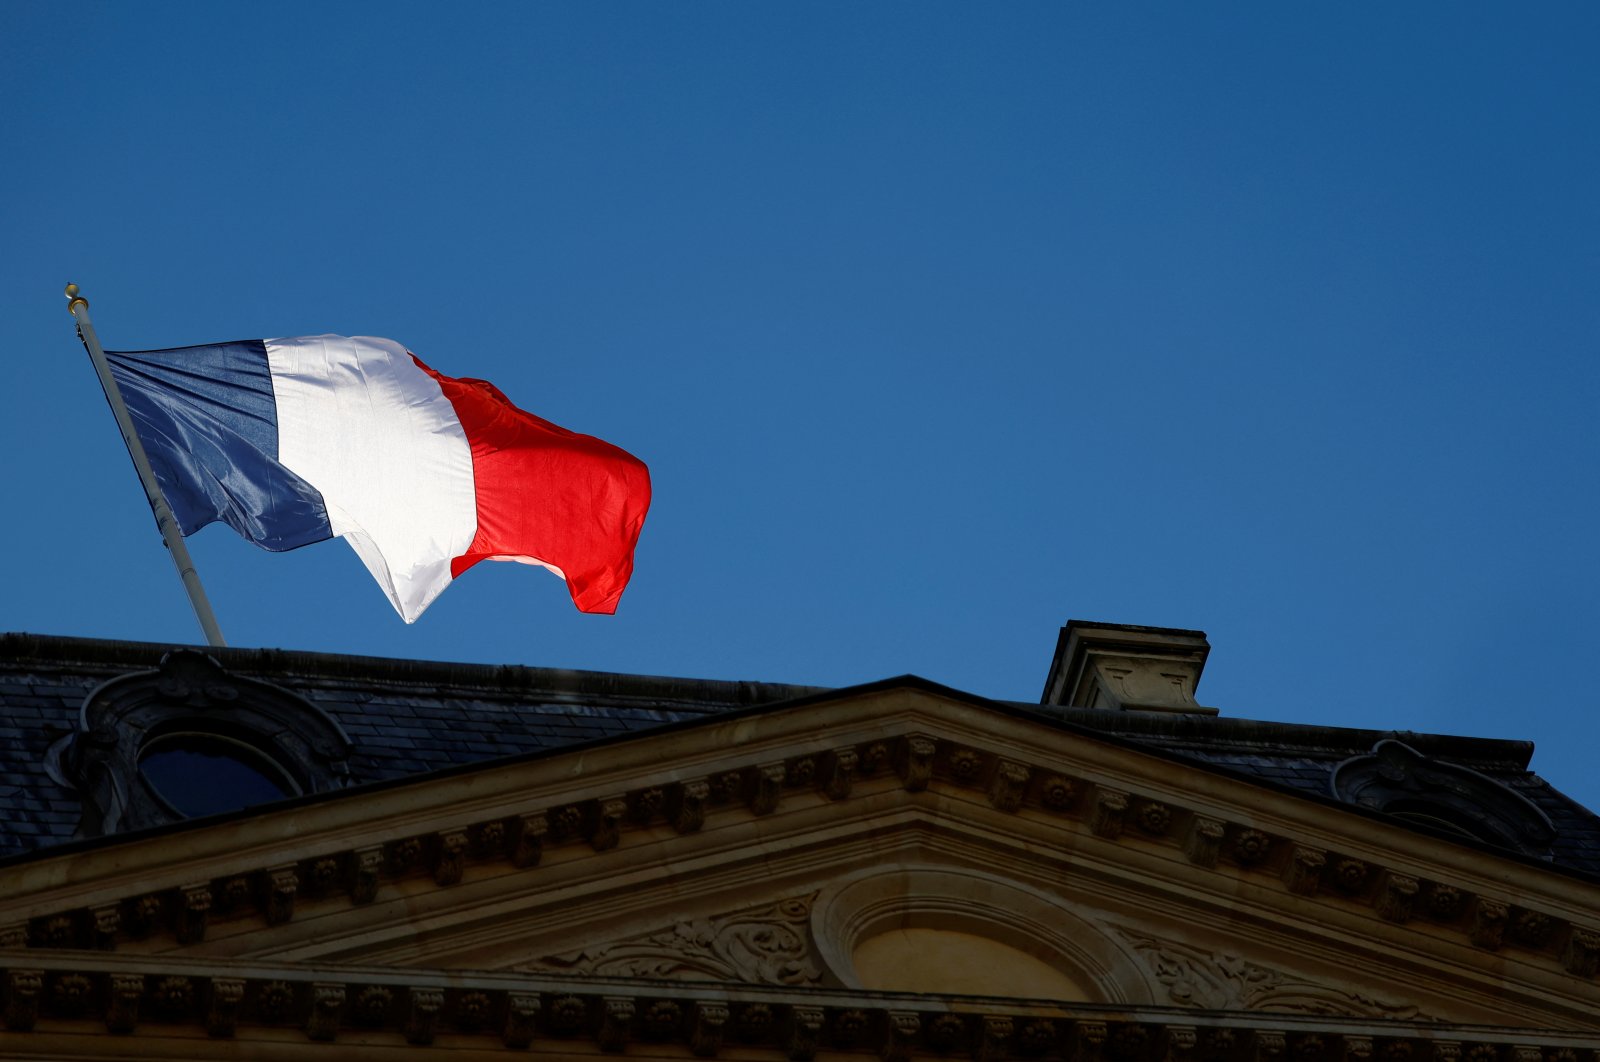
pixel 208 422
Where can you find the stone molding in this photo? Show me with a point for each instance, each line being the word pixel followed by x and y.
pixel 384 1006
pixel 921 763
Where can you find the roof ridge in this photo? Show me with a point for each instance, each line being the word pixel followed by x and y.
pixel 499 679
pixel 1174 729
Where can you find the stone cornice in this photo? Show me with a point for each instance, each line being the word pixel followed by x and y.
pixel 52 992
pixel 1111 796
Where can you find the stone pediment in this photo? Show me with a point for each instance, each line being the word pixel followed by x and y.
pixel 796 847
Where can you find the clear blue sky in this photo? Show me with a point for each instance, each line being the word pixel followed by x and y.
pixel 938 324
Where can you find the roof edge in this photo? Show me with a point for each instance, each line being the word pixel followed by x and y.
pixel 1311 736
pixel 501 679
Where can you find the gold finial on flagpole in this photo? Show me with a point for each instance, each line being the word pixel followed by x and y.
pixel 74 298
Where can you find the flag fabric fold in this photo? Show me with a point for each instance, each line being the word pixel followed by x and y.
pixel 293 441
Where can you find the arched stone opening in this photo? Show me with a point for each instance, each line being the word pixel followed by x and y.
pixel 958 930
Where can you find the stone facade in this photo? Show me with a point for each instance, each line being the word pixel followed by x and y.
pixel 898 869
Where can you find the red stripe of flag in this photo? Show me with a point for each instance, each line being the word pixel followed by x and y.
pixel 549 495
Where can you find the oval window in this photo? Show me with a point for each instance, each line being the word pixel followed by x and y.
pixel 205 774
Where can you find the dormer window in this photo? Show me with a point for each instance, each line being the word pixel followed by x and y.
pixel 198 774
pixel 192 739
pixel 1396 779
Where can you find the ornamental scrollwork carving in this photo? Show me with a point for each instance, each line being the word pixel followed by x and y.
pixel 1194 977
pixel 759 945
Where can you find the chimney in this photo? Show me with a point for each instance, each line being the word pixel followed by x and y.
pixel 1127 668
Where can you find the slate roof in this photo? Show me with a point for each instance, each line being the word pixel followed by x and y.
pixel 408 718
pixel 1302 759
pixel 404 717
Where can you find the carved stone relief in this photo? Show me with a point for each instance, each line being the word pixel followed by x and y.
pixel 760 945
pixel 1194 977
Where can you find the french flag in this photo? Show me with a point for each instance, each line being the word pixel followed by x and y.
pixel 292 441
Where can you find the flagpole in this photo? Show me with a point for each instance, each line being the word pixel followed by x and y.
pixel 78 306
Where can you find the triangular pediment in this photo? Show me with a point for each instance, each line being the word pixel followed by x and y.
pixel 772 847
